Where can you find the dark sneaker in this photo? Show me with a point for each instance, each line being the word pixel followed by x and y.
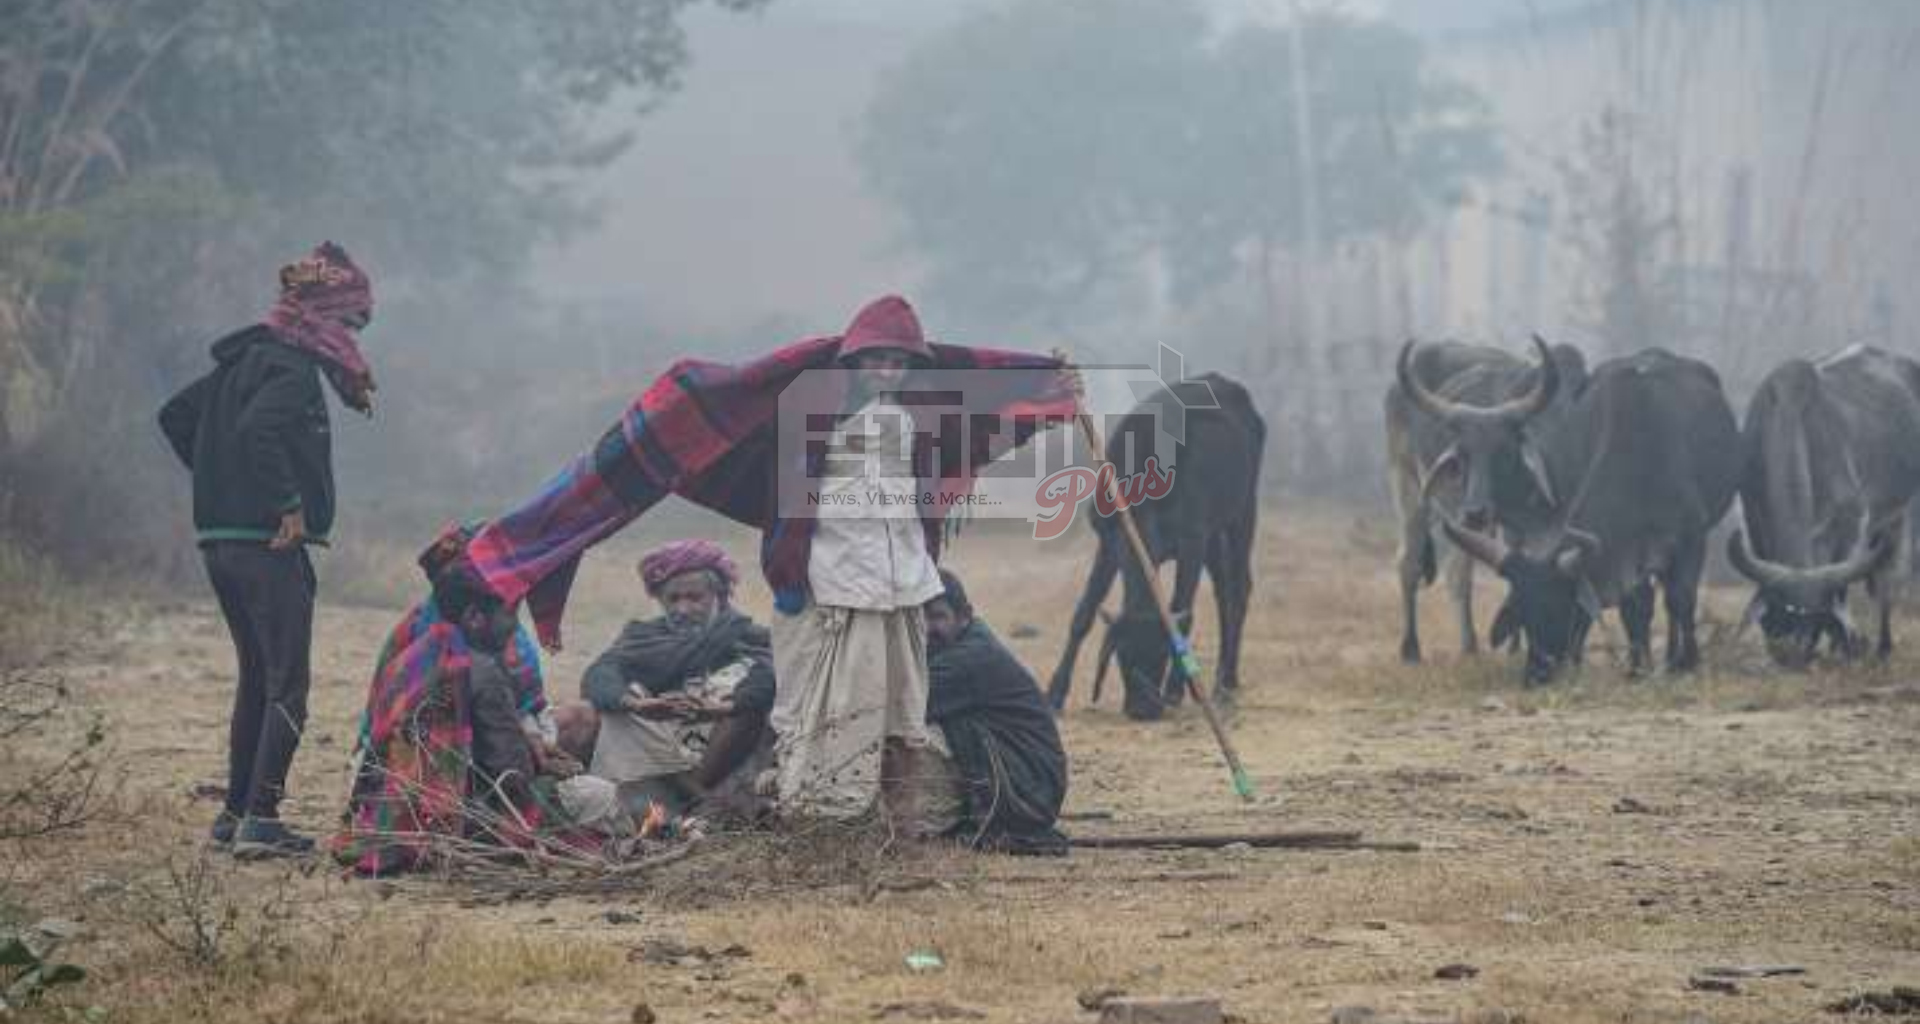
pixel 224 826
pixel 264 838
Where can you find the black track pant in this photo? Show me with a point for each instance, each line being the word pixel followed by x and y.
pixel 267 598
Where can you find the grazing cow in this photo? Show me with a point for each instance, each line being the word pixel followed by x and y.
pixel 1206 521
pixel 1833 465
pixel 1460 423
pixel 1646 461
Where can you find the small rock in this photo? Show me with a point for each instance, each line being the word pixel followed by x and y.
pixel 1720 985
pixel 58 928
pixel 1374 926
pixel 621 917
pixel 1093 999
pixel 1493 705
pixel 1355 1015
pixel 1456 972
pixel 673 952
pixel 1182 1010
pixel 925 1011
pixel 207 791
pixel 1176 933
pixel 1024 631
pixel 1628 805
pixel 643 1014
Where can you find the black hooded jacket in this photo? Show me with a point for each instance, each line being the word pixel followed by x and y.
pixel 256 435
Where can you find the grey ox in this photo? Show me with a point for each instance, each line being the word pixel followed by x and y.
pixel 1644 463
pixel 1833 464
pixel 1461 422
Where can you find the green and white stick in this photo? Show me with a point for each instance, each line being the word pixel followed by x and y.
pixel 1183 657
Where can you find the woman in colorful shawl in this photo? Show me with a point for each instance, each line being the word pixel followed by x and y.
pixel 456 741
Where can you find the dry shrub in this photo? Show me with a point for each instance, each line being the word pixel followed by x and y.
pixel 51 755
pixel 196 911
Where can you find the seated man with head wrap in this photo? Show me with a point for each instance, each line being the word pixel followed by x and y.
pixel 684 697
pixel 999 729
pixel 457 740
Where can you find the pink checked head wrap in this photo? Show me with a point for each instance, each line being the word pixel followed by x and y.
pixel 319 295
pixel 683 556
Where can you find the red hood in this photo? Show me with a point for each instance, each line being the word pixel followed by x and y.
pixel 886 322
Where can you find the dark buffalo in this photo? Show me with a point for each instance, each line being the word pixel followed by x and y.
pixel 1645 461
pixel 1833 464
pixel 1460 422
pixel 1206 522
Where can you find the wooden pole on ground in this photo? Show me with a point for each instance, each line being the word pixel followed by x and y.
pixel 1183 659
pixel 1257 840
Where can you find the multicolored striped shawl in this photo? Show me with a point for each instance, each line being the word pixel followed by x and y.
pixel 416 744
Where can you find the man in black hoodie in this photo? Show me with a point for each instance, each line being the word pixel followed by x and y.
pixel 254 432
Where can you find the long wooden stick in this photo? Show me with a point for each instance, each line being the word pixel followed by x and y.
pixel 1259 840
pixel 1182 651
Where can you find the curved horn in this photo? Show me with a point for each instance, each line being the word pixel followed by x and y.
pixel 1447 458
pixel 1584 546
pixel 1417 393
pixel 1483 546
pixel 1515 410
pixel 1535 402
pixel 1867 559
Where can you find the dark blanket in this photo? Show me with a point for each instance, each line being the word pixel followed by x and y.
pixel 661 657
pixel 1003 738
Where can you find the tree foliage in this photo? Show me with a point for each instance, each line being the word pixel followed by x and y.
pixel 159 157
pixel 1040 152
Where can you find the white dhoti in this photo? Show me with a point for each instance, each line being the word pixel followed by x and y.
pixel 634 749
pixel 853 683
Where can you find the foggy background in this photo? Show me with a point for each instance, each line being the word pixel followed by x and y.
pixel 556 201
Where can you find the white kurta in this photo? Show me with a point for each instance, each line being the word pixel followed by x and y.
pixel 852 664
pixel 871 552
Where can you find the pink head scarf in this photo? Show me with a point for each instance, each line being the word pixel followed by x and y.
pixel 317 295
pixel 683 556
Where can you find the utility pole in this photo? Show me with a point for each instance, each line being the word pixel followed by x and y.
pixel 1308 172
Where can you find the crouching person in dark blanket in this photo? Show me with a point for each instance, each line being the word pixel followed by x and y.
pixel 684 696
pixel 458 744
pixel 999 729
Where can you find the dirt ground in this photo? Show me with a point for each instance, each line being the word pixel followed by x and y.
pixel 1588 848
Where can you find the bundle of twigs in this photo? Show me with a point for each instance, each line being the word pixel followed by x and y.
pixel 499 857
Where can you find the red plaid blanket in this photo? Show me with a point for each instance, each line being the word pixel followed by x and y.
pixel 706 432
